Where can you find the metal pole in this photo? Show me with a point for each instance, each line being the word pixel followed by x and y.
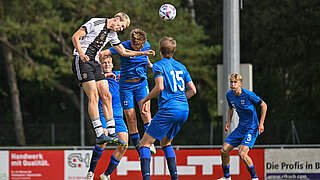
pixel 211 133
pixel 53 134
pixel 82 132
pixel 231 51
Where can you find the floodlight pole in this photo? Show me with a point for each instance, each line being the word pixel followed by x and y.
pixel 231 52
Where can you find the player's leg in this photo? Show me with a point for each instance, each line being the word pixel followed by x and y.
pixel 105 95
pixel 170 157
pixel 84 73
pixel 243 153
pixel 225 157
pixel 115 157
pixel 145 155
pixel 244 149
pixel 139 94
pixel 122 132
pixel 127 103
pixel 96 155
pixel 91 91
pixel 131 118
pixel 176 118
pixel 157 129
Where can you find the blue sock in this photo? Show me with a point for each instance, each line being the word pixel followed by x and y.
pixel 171 161
pixel 226 171
pixel 135 138
pixel 113 163
pixel 146 126
pixel 145 158
pixel 252 172
pixel 96 154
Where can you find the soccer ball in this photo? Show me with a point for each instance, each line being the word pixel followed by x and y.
pixel 167 12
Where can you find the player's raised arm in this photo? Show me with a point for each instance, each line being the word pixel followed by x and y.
pixel 126 52
pixel 264 108
pixel 159 86
pixel 191 90
pixel 76 43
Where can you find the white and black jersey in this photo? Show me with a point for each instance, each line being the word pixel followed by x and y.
pixel 97 36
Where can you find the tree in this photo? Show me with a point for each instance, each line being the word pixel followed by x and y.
pixel 42 52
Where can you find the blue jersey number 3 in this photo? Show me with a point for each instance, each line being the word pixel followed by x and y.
pixel 176 76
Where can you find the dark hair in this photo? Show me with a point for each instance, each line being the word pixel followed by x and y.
pixel 138 36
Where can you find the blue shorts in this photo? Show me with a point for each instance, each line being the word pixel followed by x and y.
pixel 132 91
pixel 119 122
pixel 241 136
pixel 167 123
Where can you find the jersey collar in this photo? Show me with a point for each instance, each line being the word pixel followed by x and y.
pixel 108 30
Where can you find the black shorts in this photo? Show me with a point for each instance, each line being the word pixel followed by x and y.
pixel 87 71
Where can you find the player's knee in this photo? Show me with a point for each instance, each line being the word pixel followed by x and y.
pixel 242 155
pixel 122 149
pixel 93 98
pixel 106 97
pixel 224 151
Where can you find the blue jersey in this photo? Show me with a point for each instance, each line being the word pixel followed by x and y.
pixel 132 67
pixel 116 104
pixel 175 76
pixel 244 105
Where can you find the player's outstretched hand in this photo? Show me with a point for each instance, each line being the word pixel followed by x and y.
pixel 261 129
pixel 149 52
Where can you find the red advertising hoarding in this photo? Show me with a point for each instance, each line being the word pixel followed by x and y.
pixel 29 165
pixel 192 164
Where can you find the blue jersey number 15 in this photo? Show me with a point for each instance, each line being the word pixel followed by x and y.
pixel 176 76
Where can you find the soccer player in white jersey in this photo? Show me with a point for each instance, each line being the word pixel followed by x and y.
pixel 249 127
pixel 88 41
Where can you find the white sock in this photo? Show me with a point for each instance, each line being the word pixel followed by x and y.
pixel 111 126
pixel 97 126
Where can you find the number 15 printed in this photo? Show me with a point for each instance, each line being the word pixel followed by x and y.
pixel 176 76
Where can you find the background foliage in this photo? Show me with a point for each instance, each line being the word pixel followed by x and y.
pixel 280 39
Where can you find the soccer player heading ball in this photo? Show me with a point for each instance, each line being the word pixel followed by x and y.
pixel 88 41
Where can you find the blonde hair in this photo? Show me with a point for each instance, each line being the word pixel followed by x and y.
pixel 236 76
pixel 123 18
pixel 167 46
pixel 138 36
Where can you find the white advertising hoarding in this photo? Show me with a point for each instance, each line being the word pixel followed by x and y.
pixel 300 163
pixel 76 164
pixel 4 165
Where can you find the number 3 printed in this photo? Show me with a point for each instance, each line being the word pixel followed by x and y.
pixel 177 75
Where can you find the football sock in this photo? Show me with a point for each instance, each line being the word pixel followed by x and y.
pixel 111 127
pixel 252 172
pixel 171 161
pixel 97 152
pixel 226 171
pixel 146 126
pixel 135 138
pixel 112 165
pixel 97 126
pixel 145 158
